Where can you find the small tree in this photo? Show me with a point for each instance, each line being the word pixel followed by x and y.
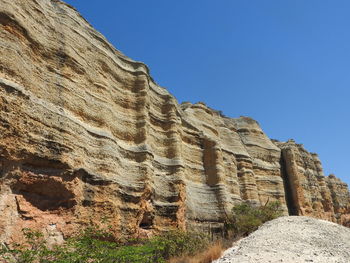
pixel 247 218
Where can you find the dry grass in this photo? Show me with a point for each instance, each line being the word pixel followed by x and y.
pixel 211 253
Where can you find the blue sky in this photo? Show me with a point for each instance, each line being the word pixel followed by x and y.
pixel 284 63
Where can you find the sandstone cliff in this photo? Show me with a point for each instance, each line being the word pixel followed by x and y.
pixel 309 191
pixel 87 136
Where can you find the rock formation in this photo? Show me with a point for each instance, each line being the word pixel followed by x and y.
pixel 87 136
pixel 308 191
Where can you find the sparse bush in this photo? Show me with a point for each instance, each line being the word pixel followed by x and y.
pixel 246 218
pixel 33 250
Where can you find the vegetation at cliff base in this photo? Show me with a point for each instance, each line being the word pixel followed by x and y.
pixel 94 245
pixel 247 218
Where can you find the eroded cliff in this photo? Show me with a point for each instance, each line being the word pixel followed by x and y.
pixel 87 136
pixel 308 191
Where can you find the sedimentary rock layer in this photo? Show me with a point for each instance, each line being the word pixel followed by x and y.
pixel 308 191
pixel 87 136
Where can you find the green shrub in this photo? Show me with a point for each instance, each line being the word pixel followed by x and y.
pixel 246 218
pixel 95 246
pixel 32 250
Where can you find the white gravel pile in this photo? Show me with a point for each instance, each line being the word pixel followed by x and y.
pixel 292 239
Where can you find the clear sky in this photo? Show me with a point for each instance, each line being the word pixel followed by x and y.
pixel 284 63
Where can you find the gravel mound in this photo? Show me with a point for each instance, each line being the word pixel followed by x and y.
pixel 292 239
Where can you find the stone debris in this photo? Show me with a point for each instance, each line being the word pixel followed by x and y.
pixel 294 239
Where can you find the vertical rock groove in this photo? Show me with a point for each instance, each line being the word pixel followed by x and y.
pixel 311 193
pixel 289 191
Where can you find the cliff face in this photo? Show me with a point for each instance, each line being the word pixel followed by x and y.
pixel 86 136
pixel 308 191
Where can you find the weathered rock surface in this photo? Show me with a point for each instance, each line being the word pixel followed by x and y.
pixel 309 191
pixel 292 239
pixel 87 136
